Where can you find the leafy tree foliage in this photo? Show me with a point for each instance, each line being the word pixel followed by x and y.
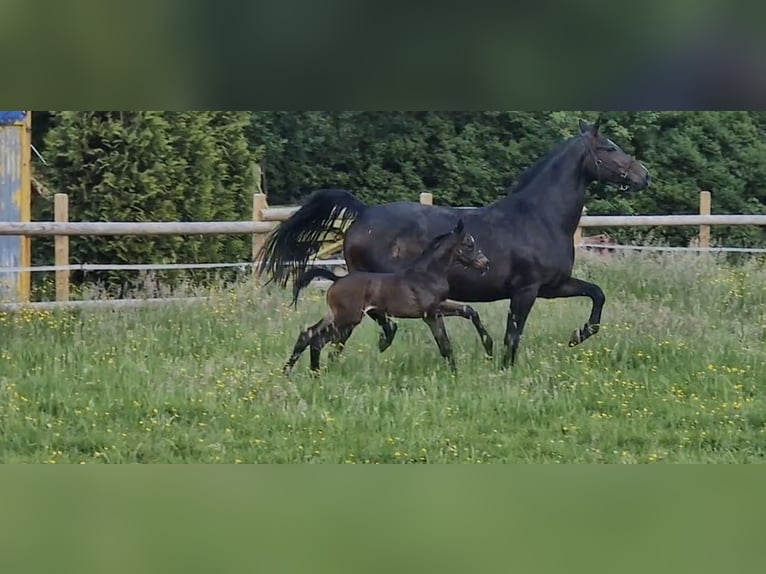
pixel 150 166
pixel 469 158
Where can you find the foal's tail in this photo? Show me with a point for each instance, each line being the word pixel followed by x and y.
pixel 289 247
pixel 307 277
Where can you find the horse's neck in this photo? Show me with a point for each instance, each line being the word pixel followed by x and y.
pixel 558 191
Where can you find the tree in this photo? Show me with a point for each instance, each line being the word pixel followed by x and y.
pixel 151 166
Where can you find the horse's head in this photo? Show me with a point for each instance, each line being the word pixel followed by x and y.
pixel 466 252
pixel 607 162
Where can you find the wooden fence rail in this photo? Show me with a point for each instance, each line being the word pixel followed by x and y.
pixel 266 218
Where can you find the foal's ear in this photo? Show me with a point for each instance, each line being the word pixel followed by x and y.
pixel 459 226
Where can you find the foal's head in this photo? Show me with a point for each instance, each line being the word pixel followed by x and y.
pixel 454 245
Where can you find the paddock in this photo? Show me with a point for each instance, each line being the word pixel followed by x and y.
pixel 674 375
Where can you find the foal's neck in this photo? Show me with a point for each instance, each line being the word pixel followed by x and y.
pixel 436 264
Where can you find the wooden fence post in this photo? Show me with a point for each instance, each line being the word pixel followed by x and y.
pixel 259 204
pixel 427 198
pixel 61 246
pixel 704 236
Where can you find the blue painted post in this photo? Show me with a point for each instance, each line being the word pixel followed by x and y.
pixel 15 203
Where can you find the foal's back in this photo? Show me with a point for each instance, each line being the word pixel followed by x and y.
pixel 403 294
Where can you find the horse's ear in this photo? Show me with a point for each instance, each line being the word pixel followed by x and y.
pixel 459 226
pixel 596 126
pixel 584 127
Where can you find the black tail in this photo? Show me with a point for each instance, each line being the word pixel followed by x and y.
pixel 307 277
pixel 290 246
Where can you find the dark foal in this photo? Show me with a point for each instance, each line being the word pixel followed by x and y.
pixel 419 291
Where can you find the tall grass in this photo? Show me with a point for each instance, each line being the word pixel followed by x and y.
pixel 677 374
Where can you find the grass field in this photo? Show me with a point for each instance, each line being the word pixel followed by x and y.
pixel 677 374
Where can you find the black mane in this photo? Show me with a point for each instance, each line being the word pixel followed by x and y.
pixel 530 174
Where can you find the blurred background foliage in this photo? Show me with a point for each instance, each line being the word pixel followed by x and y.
pixel 197 166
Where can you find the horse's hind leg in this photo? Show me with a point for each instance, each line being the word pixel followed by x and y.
pixel 388 327
pixel 451 309
pixel 305 338
pixel 439 331
pixel 578 288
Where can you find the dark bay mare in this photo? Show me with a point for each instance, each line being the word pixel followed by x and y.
pixel 528 236
pixel 419 290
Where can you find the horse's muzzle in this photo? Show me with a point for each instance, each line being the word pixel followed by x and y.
pixel 482 264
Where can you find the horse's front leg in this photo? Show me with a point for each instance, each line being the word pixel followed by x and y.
pixel 521 304
pixel 452 309
pixel 578 288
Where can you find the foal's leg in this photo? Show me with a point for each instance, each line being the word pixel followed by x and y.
pixel 521 304
pixel 305 338
pixel 339 341
pixel 578 288
pixel 317 344
pixel 439 331
pixel 451 309
pixel 388 327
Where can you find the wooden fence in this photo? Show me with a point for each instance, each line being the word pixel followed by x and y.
pixel 266 218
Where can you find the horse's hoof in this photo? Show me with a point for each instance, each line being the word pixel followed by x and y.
pixel 575 339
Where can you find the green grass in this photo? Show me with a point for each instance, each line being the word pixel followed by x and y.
pixel 677 374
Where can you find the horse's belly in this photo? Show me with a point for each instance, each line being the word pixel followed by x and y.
pixel 477 293
pixel 468 285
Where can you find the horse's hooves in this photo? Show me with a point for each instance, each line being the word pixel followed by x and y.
pixel 575 339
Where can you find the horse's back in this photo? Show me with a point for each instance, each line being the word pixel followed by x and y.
pixel 388 237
